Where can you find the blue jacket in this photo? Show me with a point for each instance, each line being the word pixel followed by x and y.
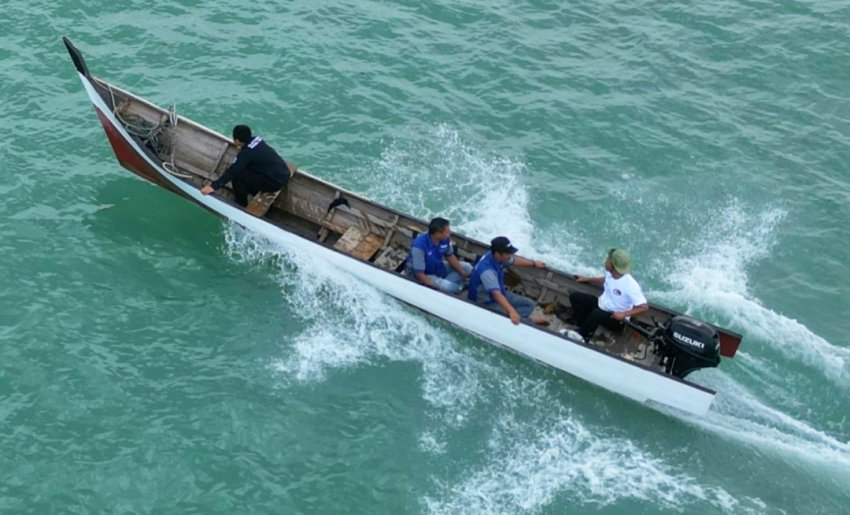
pixel 434 264
pixel 487 262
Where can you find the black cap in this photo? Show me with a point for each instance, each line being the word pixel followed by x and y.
pixel 502 244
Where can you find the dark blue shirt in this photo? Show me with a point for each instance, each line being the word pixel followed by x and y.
pixel 487 277
pixel 427 257
pixel 256 156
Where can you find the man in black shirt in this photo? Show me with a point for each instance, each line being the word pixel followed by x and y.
pixel 257 168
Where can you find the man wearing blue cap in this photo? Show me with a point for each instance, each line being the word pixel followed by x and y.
pixel 487 282
pixel 621 297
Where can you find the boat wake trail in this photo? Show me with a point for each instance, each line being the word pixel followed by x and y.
pixel 483 196
pixel 537 450
pixel 534 450
pixel 738 415
pixel 348 324
pixel 450 178
pixel 530 463
pixel 714 278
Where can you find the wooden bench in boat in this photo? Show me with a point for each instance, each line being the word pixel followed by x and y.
pixel 391 258
pixel 260 203
pixel 359 243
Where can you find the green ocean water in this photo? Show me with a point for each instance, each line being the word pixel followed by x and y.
pixel 155 359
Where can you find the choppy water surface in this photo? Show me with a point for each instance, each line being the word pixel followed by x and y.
pixel 156 359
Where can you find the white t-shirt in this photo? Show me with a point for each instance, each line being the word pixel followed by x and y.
pixel 621 294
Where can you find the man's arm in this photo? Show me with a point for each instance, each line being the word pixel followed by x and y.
pixel 240 164
pixel 637 310
pixel 599 281
pixel 453 261
pixel 521 261
pixel 503 301
pixel 639 305
pixel 417 262
pixel 490 281
pixel 422 278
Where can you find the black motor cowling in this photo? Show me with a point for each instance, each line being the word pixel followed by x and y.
pixel 689 345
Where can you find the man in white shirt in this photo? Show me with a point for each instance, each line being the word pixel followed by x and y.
pixel 621 297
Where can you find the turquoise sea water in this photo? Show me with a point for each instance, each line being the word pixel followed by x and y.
pixel 154 359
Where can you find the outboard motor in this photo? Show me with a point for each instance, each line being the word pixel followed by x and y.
pixel 689 345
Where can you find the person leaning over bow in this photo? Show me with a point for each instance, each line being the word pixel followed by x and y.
pixel 257 168
pixel 428 255
pixel 621 297
pixel 487 284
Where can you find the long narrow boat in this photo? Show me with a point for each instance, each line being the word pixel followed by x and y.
pixel 647 361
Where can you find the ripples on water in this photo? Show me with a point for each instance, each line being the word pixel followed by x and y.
pixel 150 366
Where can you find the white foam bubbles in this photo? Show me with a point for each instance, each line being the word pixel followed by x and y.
pixel 530 463
pixel 796 340
pixel 717 264
pixel 442 175
pixel 714 276
pixel 431 443
pixel 739 416
pixel 483 195
pixel 348 323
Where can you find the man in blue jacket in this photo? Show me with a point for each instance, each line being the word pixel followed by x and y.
pixel 487 284
pixel 257 168
pixel 429 254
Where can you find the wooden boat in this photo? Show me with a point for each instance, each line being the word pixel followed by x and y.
pixel 647 361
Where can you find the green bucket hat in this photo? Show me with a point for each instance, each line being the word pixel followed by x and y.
pixel 620 260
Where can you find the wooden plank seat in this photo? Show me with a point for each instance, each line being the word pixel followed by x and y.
pixel 391 258
pixel 261 202
pixel 359 243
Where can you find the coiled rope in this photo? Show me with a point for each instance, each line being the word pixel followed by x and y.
pixel 152 134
